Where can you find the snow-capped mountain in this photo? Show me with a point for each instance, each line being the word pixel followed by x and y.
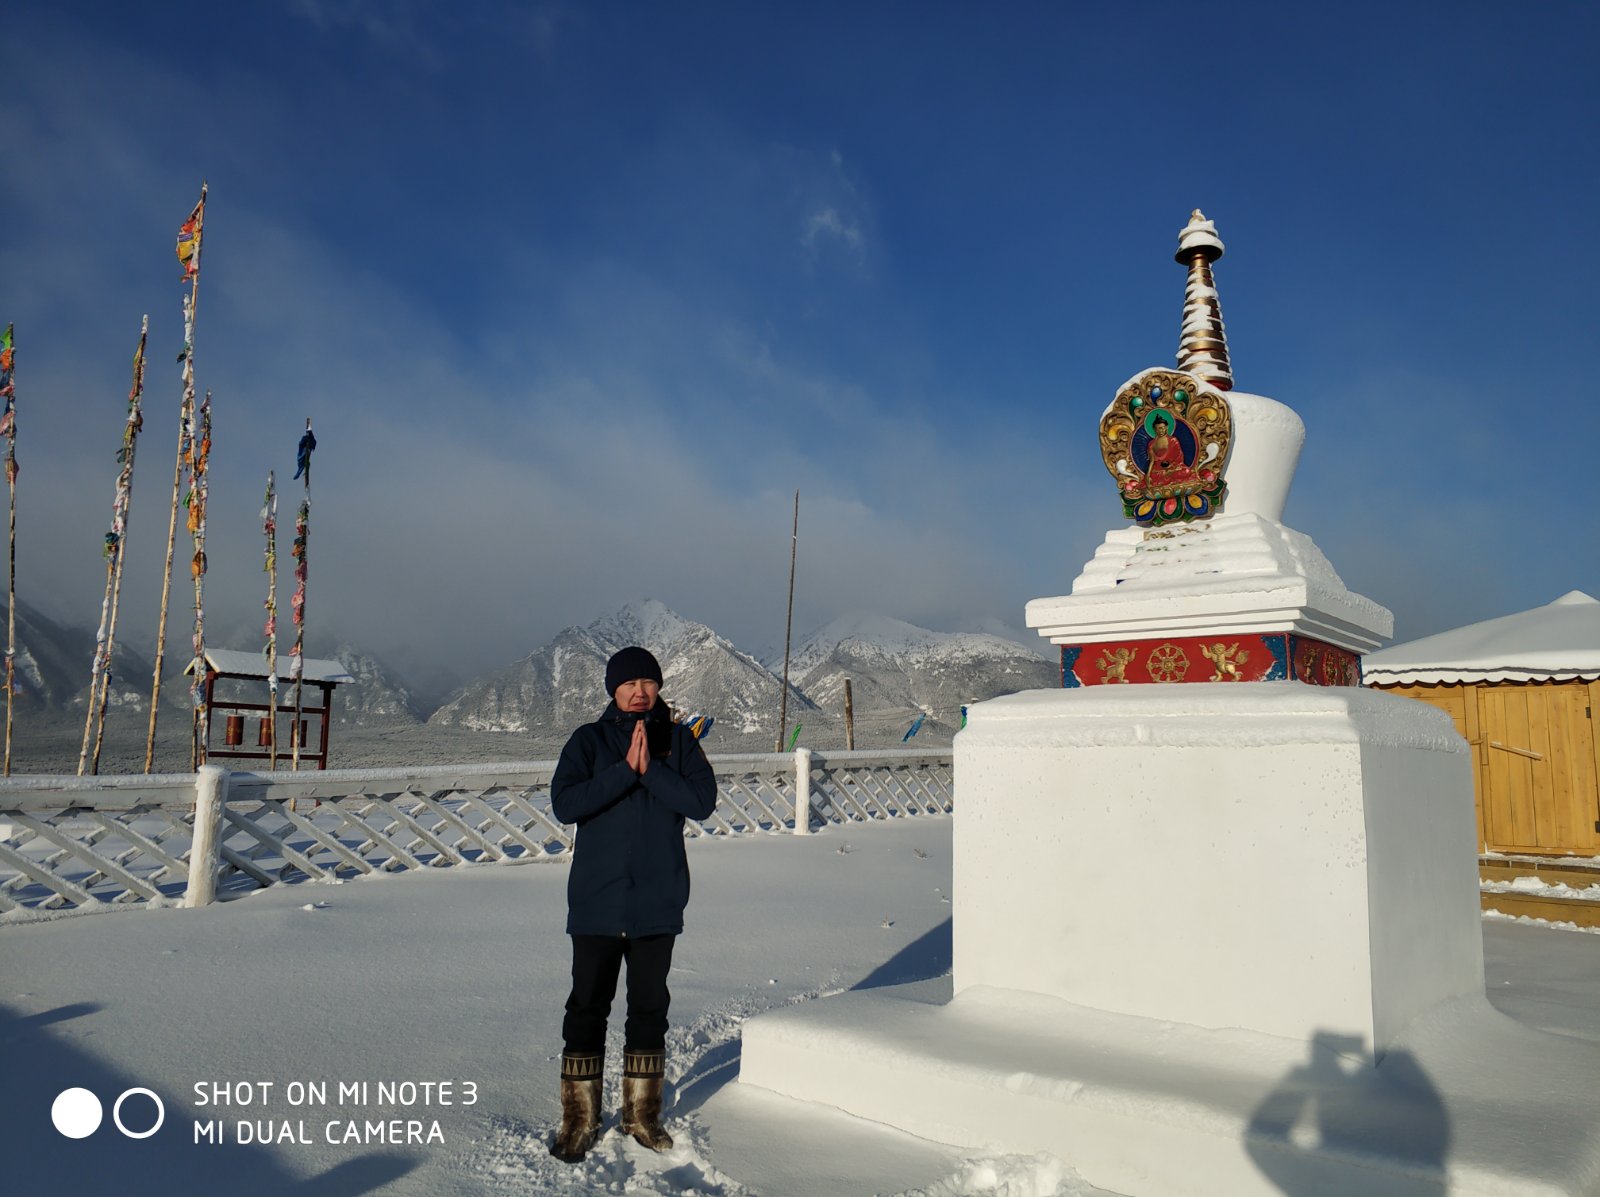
pixel 376 695
pixel 561 684
pixel 53 665
pixel 898 671
pixel 894 666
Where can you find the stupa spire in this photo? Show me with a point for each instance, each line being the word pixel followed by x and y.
pixel 1202 344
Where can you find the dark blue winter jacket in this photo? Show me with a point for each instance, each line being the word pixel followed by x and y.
pixel 630 874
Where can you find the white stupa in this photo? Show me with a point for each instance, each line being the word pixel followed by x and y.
pixel 1309 1018
pixel 1239 570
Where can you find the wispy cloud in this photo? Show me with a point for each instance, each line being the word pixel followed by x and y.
pixel 575 331
pixel 827 224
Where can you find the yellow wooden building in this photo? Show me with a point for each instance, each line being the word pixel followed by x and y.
pixel 1523 690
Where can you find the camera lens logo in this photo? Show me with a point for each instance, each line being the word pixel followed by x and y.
pixel 78 1113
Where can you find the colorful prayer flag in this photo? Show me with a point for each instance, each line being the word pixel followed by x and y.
pixel 189 234
pixel 915 728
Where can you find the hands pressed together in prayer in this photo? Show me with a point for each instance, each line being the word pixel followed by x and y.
pixel 639 749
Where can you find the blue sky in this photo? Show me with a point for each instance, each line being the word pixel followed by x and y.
pixel 579 294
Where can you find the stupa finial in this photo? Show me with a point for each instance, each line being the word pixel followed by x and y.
pixel 1202 345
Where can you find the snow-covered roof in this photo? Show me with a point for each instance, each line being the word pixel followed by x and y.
pixel 1559 641
pixel 254 665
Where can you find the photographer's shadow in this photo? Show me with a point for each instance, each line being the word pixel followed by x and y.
pixel 1335 1110
pixel 39 1064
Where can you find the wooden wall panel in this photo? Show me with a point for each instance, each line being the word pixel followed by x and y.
pixel 1536 761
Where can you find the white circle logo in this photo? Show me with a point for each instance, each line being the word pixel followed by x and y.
pixel 76 1113
pixel 116 1114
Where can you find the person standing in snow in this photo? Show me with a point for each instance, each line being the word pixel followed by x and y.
pixel 628 780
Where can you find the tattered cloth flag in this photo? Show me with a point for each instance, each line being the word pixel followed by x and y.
pixel 8 421
pixel 794 739
pixel 269 526
pixel 189 238
pixel 302 455
pixel 297 601
pixel 915 727
pixel 199 443
pixel 8 428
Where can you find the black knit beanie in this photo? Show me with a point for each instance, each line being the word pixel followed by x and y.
pixel 630 665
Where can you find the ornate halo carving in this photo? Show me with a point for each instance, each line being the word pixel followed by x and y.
pixel 1165 442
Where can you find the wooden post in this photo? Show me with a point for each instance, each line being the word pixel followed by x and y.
pixel 802 791
pixel 327 714
pixel 849 718
pixel 269 524
pixel 301 552
pixel 210 795
pixel 116 545
pixel 166 580
pixel 199 485
pixel 788 627
pixel 189 239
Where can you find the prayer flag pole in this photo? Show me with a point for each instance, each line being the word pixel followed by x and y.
pixel 189 235
pixel 302 529
pixel 269 525
pixel 8 426
pixel 788 627
pixel 195 501
pixel 116 540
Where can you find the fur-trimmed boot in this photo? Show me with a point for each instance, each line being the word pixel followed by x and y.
pixel 581 1079
pixel 642 1075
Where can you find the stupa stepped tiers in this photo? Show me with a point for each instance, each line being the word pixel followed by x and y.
pixel 1310 1017
pixel 1207 584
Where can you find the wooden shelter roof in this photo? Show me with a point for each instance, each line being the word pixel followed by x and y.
pixel 1559 641
pixel 253 666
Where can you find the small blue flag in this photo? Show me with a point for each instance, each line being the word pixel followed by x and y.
pixel 915 727
pixel 302 455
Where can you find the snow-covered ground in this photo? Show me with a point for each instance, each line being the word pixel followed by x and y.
pixel 456 978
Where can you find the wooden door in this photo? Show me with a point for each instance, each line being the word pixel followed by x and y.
pixel 1536 758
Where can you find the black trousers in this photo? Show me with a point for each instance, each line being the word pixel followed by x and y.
pixel 596 961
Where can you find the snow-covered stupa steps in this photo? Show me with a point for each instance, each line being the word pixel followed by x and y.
pixel 1140 1105
pixel 1555 889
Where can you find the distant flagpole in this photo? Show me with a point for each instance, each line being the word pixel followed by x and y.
pixel 189 237
pixel 269 525
pixel 195 501
pixel 788 627
pixel 116 541
pixel 8 426
pixel 302 532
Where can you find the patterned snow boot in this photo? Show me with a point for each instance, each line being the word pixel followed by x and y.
pixel 581 1078
pixel 642 1074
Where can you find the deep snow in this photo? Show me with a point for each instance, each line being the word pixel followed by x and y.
pixel 458 975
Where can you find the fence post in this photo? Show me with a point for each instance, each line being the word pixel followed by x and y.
pixel 802 791
pixel 210 792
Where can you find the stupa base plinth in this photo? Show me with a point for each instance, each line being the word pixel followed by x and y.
pixel 1146 1107
pixel 1212 940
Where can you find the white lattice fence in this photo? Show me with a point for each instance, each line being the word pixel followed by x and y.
pixel 65 844
pixel 69 843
